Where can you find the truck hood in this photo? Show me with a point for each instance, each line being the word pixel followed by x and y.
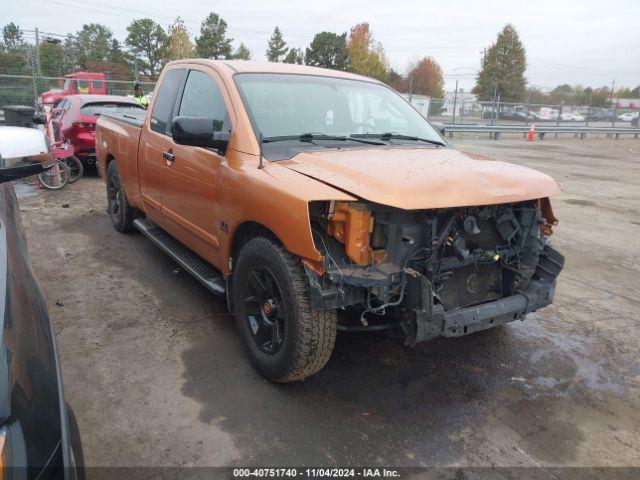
pixel 421 178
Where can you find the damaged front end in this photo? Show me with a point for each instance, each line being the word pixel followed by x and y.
pixel 430 273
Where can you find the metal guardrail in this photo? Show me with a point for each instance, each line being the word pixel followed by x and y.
pixel 495 131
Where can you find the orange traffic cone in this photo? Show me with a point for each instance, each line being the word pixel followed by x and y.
pixel 532 132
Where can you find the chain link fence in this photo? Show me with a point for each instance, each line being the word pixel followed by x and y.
pixel 27 89
pixel 463 108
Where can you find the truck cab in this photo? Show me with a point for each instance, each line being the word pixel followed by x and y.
pixel 319 201
pixel 79 82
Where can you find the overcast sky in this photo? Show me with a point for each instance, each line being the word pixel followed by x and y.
pixel 586 42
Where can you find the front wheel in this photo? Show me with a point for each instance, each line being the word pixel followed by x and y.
pixel 286 339
pixel 57 177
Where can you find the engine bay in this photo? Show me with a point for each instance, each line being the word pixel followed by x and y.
pixel 406 265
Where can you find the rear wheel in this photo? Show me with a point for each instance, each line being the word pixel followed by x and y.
pixel 121 213
pixel 286 339
pixel 76 169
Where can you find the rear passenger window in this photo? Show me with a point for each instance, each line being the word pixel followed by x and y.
pixel 202 98
pixel 163 108
pixel 97 84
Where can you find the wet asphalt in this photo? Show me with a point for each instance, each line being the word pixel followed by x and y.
pixel 157 376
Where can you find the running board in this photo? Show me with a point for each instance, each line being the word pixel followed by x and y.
pixel 204 272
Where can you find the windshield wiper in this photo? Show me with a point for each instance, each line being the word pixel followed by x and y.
pixel 398 136
pixel 313 136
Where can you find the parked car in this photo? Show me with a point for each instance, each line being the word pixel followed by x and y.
pixel 628 116
pixel 569 117
pixel 601 115
pixel 38 434
pixel 74 83
pixel 74 120
pixel 299 191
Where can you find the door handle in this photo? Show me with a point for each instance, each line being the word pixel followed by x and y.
pixel 169 156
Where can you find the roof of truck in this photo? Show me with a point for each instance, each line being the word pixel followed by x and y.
pixel 250 66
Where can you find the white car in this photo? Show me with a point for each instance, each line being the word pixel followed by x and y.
pixel 571 117
pixel 627 117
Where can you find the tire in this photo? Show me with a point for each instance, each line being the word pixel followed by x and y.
pixel 121 213
pixel 286 339
pixel 75 441
pixel 76 168
pixel 56 178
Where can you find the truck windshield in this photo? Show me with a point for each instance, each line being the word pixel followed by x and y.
pixel 283 105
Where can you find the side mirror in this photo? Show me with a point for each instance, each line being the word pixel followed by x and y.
pixel 200 132
pixel 23 152
pixel 439 126
pixel 39 119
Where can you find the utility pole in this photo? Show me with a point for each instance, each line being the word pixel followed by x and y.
pixel 615 106
pixel 38 69
pixel 455 103
pixel 410 88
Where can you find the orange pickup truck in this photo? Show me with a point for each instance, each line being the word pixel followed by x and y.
pixel 318 201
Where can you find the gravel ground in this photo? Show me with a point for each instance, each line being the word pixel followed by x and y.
pixel 156 374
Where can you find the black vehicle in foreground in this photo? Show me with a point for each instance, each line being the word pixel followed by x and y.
pixel 38 435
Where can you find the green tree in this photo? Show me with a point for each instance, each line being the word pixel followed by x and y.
pixel 502 68
pixel 242 52
pixel 92 44
pixel 366 56
pixel 119 65
pixel 148 42
pixel 328 50
pixel 51 58
pixel 12 38
pixel 70 54
pixel 178 42
pixel 14 52
pixel 213 41
pixel 295 55
pixel 277 47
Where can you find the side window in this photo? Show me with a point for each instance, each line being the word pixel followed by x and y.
pixel 202 98
pixel 163 108
pixel 97 84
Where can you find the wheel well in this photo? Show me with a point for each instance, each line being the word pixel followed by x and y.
pixel 245 232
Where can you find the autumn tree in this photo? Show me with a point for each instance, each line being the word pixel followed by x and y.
pixel 178 42
pixel 148 42
pixel 213 41
pixel 502 68
pixel 366 56
pixel 242 52
pixel 424 77
pixel 277 47
pixel 328 50
pixel 295 55
pixel 397 81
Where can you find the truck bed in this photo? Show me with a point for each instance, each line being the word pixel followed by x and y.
pixel 134 119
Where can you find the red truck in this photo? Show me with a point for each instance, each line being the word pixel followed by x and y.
pixel 79 82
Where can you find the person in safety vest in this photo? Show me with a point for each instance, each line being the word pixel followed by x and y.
pixel 139 96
